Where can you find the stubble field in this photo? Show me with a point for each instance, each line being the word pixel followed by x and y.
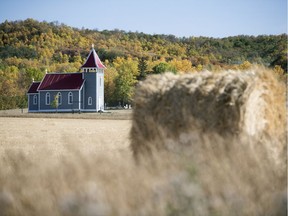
pixel 49 164
pixel 59 137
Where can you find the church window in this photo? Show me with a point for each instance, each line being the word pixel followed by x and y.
pixel 59 98
pixel 35 99
pixel 47 98
pixel 70 98
pixel 89 100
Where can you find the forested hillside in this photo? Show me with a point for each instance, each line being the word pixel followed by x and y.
pixel 30 48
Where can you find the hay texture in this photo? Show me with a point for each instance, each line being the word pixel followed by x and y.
pixel 187 107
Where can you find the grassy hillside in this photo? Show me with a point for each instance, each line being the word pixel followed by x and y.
pixel 28 48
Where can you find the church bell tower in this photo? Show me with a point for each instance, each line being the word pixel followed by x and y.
pixel 93 74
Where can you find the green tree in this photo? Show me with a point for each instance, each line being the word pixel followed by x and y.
pixel 109 84
pixel 163 67
pixel 55 102
pixel 126 79
pixel 22 101
pixel 142 68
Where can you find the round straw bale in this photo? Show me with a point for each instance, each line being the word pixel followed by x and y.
pixel 228 103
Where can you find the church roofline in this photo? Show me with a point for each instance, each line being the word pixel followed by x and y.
pixel 61 81
pixel 93 60
pixel 33 89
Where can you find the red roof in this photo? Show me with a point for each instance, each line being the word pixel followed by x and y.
pixel 33 88
pixel 61 81
pixel 93 60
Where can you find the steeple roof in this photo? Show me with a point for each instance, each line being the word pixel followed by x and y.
pixel 93 60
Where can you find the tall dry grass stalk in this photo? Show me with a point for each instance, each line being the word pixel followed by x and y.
pixel 210 179
pixel 203 171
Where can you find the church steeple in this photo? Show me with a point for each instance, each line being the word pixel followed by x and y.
pixel 93 62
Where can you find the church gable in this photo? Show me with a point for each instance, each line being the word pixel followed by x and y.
pixel 33 88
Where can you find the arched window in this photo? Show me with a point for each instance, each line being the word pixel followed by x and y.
pixel 47 98
pixel 70 98
pixel 59 98
pixel 35 99
pixel 89 100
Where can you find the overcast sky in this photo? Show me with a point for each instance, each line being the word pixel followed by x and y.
pixel 211 18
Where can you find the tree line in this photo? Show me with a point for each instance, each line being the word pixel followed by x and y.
pixel 29 48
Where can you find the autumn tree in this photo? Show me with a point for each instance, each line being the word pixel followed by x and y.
pixel 181 65
pixel 10 92
pixel 125 80
pixel 142 68
pixel 109 84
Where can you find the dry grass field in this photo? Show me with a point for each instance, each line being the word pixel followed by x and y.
pixel 45 160
pixel 56 166
pixel 57 136
pixel 82 164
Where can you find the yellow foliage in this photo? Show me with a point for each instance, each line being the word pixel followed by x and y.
pixel 245 65
pixel 199 67
pixel 278 70
pixel 129 64
pixel 182 65
pixel 280 73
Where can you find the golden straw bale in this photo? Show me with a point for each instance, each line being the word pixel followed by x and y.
pixel 228 103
